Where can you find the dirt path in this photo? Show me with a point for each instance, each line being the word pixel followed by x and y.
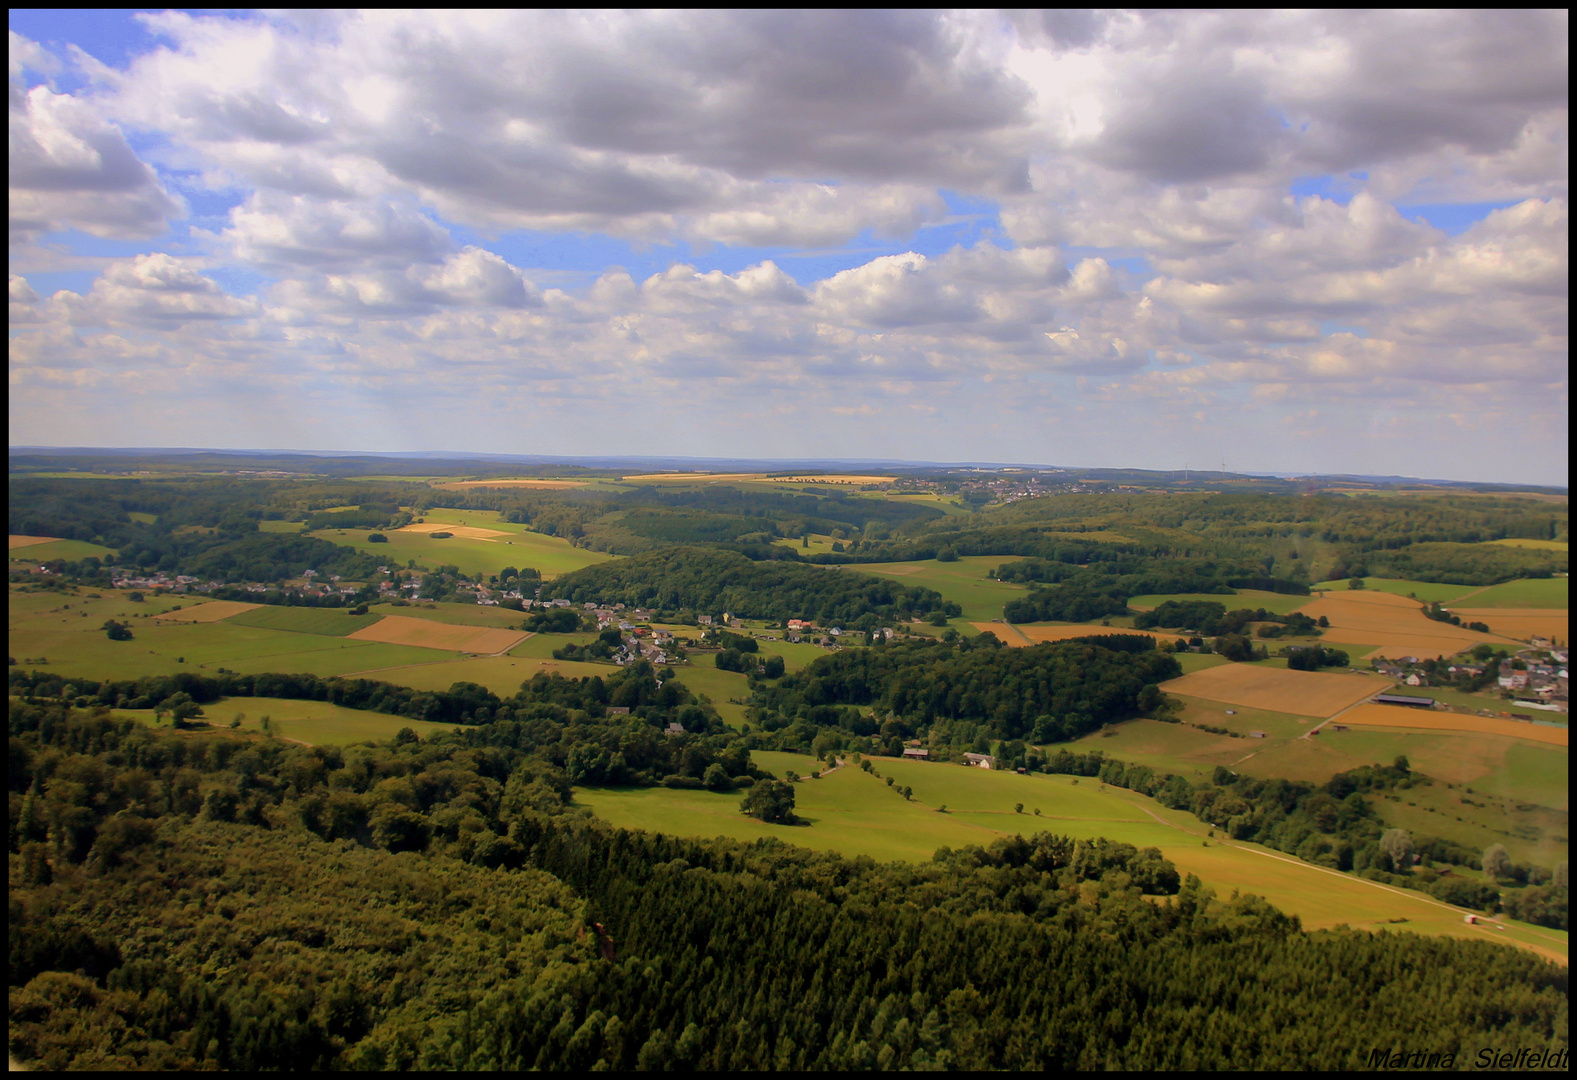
pixel 1022 635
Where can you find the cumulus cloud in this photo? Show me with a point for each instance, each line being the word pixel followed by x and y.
pixel 70 168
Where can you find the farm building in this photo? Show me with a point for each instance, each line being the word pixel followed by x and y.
pixel 1403 699
pixel 980 761
pixel 674 729
pixel 1256 734
pixel 916 752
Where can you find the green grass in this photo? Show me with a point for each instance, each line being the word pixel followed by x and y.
pixel 1522 593
pixel 1530 833
pixel 456 614
pixel 703 677
pixel 330 622
pixel 70 550
pixel 1280 603
pixel 549 555
pixel 1426 591
pixel 281 526
pixel 142 518
pixel 317 723
pixel 965 582
pixel 500 674
pixel 819 544
pixel 1509 768
pixel 1538 545
pixel 855 813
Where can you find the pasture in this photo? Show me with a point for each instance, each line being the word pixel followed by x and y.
pixel 1500 765
pixel 466 614
pixel 1398 716
pixel 855 813
pixel 528 483
pixel 1425 591
pixel 329 622
pixel 1310 693
pixel 429 634
pixel 1469 816
pixel 45 548
pixel 467 532
pixel 1522 593
pixel 1536 545
pixel 1031 634
pixel 549 555
pixel 727 689
pixel 313 723
pixel 966 582
pixel 500 674
pixel 1279 603
pixel 281 526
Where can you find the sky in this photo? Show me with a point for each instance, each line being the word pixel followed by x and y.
pixel 1319 241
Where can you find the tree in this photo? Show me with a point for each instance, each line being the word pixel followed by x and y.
pixel 716 778
pixel 772 801
pixel 773 667
pixel 1401 764
pixel 181 708
pixel 1497 862
pixel 1397 846
pixel 377 538
pixel 117 631
pixel 1355 583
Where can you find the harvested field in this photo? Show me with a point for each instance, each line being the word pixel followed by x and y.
pixel 832 479
pixel 1521 623
pixel 708 477
pixel 462 485
pixel 1306 693
pixel 470 532
pixel 213 611
pixel 1395 624
pixel 29 541
pixel 427 634
pixel 1396 716
pixel 1037 635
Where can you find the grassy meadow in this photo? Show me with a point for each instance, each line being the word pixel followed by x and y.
pixel 71 550
pixel 1424 591
pixel 1279 603
pixel 1522 593
pixel 966 582
pixel 549 555
pixel 856 813
pixel 316 723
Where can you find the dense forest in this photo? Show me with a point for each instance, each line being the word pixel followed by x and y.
pixel 182 901
pixel 713 581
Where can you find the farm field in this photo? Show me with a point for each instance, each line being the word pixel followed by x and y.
pixel 500 674
pixel 856 814
pixel 15 541
pixel 548 485
pixel 1167 748
pixel 549 555
pixel 428 634
pixel 1475 819
pixel 1278 725
pixel 1537 545
pixel 1313 693
pixel 1522 593
pixel 700 677
pixel 330 622
pixel 1191 662
pixel 316 723
pixel 1489 699
pixel 1039 634
pixel 964 582
pixel 818 544
pixel 462 614
pixel 51 548
pixel 467 532
pixel 1398 716
pixel 207 612
pixel 1521 623
pixel 1395 625
pixel 1279 603
pixel 281 526
pixel 1497 764
pixel 1424 591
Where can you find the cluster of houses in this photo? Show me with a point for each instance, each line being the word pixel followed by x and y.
pixel 1536 677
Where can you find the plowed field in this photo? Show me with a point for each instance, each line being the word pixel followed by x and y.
pixel 213 611
pixel 1372 715
pixel 1305 693
pixel 427 634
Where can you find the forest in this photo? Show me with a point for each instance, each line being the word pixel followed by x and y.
pixel 185 901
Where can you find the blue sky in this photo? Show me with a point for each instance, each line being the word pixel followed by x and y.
pixel 875 234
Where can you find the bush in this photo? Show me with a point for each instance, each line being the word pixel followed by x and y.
pixel 377 538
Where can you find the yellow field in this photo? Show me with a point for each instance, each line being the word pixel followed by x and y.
pixel 427 634
pixel 838 479
pixel 1037 635
pixel 1521 623
pixel 212 611
pixel 698 476
pixel 470 532
pixel 1537 545
pixel 29 541
pixel 1397 716
pixel 1306 693
pixel 1395 624
pixel 461 485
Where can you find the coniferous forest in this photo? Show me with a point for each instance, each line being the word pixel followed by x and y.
pixel 182 901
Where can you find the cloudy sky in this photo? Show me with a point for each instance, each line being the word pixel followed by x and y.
pixel 1308 241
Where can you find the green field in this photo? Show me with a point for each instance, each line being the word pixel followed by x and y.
pixel 148 519
pixel 703 677
pixel 1427 591
pixel 1522 593
pixel 330 622
pixel 858 814
pixel 1280 603
pixel 1538 545
pixel 548 555
pixel 70 550
pixel 965 582
pixel 1515 769
pixel 316 723
pixel 500 674
pixel 458 614
pixel 818 544
pixel 281 526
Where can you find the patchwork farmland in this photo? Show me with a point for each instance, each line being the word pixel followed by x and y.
pixel 1310 693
